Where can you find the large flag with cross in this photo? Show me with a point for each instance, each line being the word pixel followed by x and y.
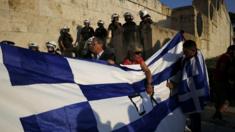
pixel 42 92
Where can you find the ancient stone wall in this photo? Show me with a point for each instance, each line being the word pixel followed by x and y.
pixel 25 21
pixel 216 36
pixel 209 22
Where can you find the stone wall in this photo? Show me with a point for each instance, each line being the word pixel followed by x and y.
pixel 162 35
pixel 25 21
pixel 220 32
pixel 209 22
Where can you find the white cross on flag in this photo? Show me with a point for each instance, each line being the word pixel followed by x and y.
pixel 42 92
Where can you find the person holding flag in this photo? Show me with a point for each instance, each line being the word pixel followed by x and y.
pixel 192 84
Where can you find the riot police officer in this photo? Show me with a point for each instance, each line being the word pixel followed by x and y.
pixel 52 47
pixel 65 42
pixel 86 32
pixel 33 46
pixel 101 32
pixel 145 31
pixel 115 32
pixel 130 32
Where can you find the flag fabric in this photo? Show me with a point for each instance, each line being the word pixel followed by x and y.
pixel 43 92
pixel 193 89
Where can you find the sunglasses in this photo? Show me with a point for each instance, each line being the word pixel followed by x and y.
pixel 138 52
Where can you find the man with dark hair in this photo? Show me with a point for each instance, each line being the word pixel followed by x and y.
pixel 97 48
pixel 189 49
pixel 190 57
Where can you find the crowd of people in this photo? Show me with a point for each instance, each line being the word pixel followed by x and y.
pixel 118 38
pixel 120 43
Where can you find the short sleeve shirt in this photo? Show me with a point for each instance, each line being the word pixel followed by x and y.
pixel 137 60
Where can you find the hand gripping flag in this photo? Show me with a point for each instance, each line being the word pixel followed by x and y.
pixel 193 89
pixel 42 92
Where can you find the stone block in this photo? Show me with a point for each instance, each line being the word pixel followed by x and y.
pixel 4 4
pixel 4 19
pixel 25 6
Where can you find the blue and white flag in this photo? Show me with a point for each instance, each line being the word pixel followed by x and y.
pixel 43 92
pixel 193 88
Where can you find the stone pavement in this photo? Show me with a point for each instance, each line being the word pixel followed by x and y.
pixel 210 125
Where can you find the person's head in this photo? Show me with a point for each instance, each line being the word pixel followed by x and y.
pixel 128 16
pixel 96 45
pixel 189 48
pixel 100 23
pixel 133 52
pixel 115 17
pixel 65 29
pixel 51 46
pixel 143 14
pixel 231 50
pixel 86 23
pixel 88 43
pixel 33 46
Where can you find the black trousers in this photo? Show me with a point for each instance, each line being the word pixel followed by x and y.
pixel 195 125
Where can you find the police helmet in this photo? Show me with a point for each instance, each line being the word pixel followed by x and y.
pixel 128 15
pixel 114 15
pixel 86 22
pixel 65 27
pixel 32 44
pixel 143 13
pixel 51 44
pixel 100 22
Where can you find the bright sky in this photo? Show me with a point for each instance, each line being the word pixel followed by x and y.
pixel 178 3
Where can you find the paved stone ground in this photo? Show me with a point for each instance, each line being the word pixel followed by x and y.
pixel 210 125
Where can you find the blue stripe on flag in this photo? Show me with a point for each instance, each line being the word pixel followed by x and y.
pixel 175 41
pixel 73 118
pixel 103 91
pixel 80 118
pixel 28 67
pixel 182 87
pixel 150 121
